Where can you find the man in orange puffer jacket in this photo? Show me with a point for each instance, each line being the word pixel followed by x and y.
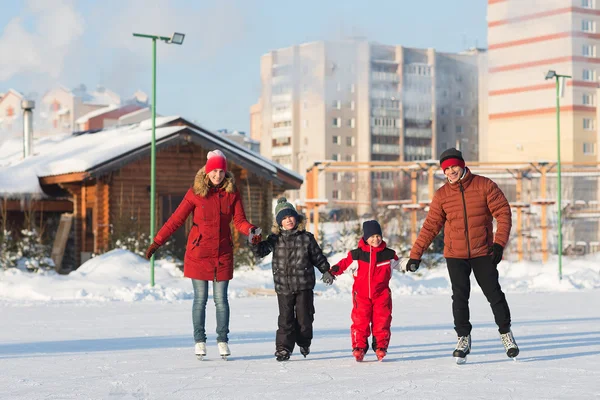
pixel 466 206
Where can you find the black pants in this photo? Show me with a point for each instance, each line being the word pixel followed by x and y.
pixel 296 316
pixel 486 275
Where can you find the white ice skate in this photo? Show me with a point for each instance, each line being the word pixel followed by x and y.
pixel 223 350
pixel 200 350
pixel 510 346
pixel 463 348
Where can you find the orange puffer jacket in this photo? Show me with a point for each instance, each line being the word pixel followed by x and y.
pixel 467 209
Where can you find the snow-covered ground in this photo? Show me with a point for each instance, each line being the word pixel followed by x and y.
pixel 103 333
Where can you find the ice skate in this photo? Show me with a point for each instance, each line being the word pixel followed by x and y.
pixel 508 340
pixel 200 350
pixel 305 350
pixel 282 354
pixel 223 350
pixel 359 354
pixel 463 348
pixel 380 353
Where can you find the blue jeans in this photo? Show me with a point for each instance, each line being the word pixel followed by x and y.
pixel 199 309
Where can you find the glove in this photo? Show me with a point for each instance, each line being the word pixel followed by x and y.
pixel 255 236
pixel 413 265
pixel 496 255
pixel 153 247
pixel 327 278
pixel 335 268
pixel 399 264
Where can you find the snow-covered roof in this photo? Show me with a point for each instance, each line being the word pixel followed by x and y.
pixel 134 113
pixel 88 152
pixel 86 117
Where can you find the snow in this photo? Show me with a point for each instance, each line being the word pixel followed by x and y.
pixel 104 332
pixel 62 154
pixel 85 118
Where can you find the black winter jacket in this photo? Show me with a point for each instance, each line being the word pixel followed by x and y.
pixel 295 254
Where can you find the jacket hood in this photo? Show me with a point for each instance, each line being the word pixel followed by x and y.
pixel 367 247
pixel 202 185
pixel 300 226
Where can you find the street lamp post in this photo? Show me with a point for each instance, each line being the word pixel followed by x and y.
pixel 550 75
pixel 176 38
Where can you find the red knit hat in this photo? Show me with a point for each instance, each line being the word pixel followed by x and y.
pixel 216 160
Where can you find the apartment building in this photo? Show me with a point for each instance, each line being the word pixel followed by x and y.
pixel 353 100
pixel 527 38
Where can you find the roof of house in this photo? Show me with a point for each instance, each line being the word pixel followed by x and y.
pixel 86 117
pixel 95 153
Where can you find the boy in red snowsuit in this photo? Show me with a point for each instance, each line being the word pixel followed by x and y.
pixel 371 295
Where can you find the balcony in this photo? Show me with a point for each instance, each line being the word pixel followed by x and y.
pixel 418 133
pixel 385 149
pixel 281 151
pixel 385 112
pixel 385 131
pixel 418 151
pixel 385 77
pixel 385 94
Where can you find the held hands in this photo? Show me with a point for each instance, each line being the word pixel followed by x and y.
pixel 255 236
pixel 412 265
pixel 152 249
pixel 497 251
pixel 327 278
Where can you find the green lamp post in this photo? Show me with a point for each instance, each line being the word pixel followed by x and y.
pixel 176 38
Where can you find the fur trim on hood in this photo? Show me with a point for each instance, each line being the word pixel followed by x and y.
pixel 201 183
pixel 300 226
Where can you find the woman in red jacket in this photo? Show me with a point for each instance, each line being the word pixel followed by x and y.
pixel 214 202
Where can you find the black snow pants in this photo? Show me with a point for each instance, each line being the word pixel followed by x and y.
pixel 296 316
pixel 486 274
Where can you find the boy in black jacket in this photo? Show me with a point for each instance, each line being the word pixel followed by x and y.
pixel 295 254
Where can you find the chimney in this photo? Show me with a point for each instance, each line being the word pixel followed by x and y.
pixel 27 106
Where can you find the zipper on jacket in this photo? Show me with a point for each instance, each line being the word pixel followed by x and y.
pixel 370 262
pixel 462 192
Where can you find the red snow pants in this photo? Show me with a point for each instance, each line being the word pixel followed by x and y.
pixel 371 315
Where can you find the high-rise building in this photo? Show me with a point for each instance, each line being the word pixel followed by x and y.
pixel 526 39
pixel 353 100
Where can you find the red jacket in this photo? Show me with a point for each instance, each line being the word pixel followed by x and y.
pixel 209 250
pixel 372 277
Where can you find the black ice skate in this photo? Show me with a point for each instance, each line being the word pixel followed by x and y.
pixel 463 348
pixel 305 350
pixel 282 354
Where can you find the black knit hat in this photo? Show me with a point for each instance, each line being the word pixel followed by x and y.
pixel 371 228
pixel 451 153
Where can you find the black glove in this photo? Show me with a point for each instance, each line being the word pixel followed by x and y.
pixel 335 268
pixel 413 265
pixel 496 255
pixel 327 278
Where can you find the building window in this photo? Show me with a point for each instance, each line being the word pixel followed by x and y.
pixel 337 122
pixel 305 123
pixel 444 111
pixel 335 157
pixel 352 88
pixel 589 75
pixel 337 104
pixel 351 122
pixel 336 139
pixel 587 3
pixel 335 176
pixel 588 99
pixel 282 124
pixel 335 194
pixel 459 129
pixel 350 141
pixel 588 50
pixel 588 124
pixel 589 148
pixel 443 128
pixel 588 26
pixel 460 112
pixel 459 95
pixel 305 105
pixel 339 87
pixel 352 105
pixel 348 157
